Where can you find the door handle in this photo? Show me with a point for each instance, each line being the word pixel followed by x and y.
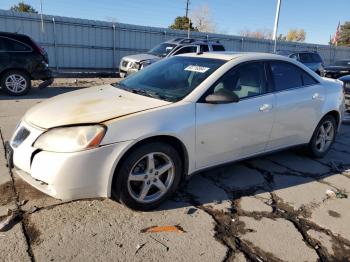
pixel 265 108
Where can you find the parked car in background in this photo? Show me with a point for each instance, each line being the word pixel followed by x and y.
pixel 346 81
pixel 338 69
pixel 137 139
pixel 133 63
pixel 22 60
pixel 311 59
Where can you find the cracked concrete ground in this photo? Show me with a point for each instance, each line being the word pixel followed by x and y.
pixel 272 208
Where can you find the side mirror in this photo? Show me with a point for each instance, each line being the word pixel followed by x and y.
pixel 223 96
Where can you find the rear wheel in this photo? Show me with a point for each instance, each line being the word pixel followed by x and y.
pixel 16 83
pixel 323 137
pixel 147 176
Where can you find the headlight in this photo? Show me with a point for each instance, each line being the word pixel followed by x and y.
pixel 71 139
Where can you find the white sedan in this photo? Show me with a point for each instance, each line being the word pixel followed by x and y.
pixel 135 140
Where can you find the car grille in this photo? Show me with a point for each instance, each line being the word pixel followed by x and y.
pixel 20 136
pixel 125 63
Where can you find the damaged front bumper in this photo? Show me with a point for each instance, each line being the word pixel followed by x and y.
pixel 66 176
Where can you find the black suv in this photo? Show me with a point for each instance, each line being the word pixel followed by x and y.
pixel 311 59
pixel 22 60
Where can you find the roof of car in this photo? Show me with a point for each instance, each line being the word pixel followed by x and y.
pixel 10 34
pixel 232 55
pixel 183 41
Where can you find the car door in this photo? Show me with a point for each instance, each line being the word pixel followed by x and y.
pixel 225 132
pixel 299 98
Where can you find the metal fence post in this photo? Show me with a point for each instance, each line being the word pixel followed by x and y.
pixel 242 44
pixel 114 63
pixel 54 42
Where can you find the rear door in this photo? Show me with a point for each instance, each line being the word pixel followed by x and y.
pixel 299 99
pixel 20 55
pixel 226 132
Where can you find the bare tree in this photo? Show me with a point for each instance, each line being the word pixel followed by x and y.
pixel 260 33
pixel 202 19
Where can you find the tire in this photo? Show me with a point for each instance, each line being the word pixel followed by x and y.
pixel 16 83
pixel 314 147
pixel 129 186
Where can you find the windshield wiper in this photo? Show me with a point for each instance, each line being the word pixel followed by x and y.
pixel 149 93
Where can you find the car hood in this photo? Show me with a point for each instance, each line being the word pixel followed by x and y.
pixel 336 68
pixel 141 57
pixel 90 105
pixel 345 78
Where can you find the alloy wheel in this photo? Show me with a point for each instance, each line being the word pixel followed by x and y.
pixel 151 177
pixel 325 136
pixel 16 83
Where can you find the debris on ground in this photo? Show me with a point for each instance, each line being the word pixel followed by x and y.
pixel 330 193
pixel 158 229
pixel 167 248
pixel 339 194
pixel 139 247
pixel 190 211
pixel 23 202
pixel 12 216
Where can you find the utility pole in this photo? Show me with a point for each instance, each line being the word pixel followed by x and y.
pixel 277 17
pixel 41 16
pixel 188 19
pixel 187 4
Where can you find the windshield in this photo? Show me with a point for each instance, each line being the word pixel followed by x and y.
pixel 170 79
pixel 342 63
pixel 162 49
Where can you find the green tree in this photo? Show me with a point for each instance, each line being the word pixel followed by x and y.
pixel 344 35
pixel 296 35
pixel 293 35
pixel 23 7
pixel 181 23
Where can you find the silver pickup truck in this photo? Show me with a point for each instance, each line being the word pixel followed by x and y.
pixel 133 63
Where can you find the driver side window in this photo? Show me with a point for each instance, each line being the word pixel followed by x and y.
pixel 245 81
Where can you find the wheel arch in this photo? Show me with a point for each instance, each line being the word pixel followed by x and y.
pixel 2 73
pixel 167 139
pixel 335 114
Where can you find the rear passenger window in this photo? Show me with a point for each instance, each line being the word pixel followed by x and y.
pixel 218 48
pixel 308 80
pixel 306 58
pixel 286 76
pixel 187 49
pixel 316 58
pixel 15 46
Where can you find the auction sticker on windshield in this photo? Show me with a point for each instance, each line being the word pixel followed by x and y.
pixel 199 69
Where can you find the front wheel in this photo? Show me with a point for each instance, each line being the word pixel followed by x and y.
pixel 147 176
pixel 323 137
pixel 16 83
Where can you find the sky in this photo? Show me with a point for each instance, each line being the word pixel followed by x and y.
pixel 319 18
